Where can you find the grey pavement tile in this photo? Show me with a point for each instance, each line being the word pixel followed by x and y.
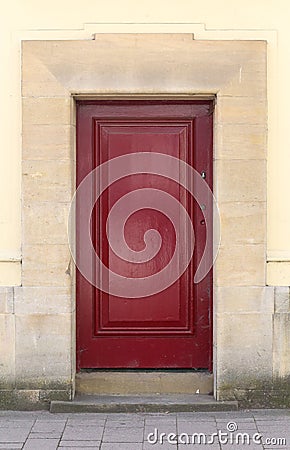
pixel 125 419
pixel 278 443
pixel 84 415
pixel 16 423
pixel 45 426
pixel 286 446
pixel 19 414
pixel 158 423
pixel 165 446
pixel 271 414
pixel 201 447
pixel 124 424
pixel 99 422
pixel 14 434
pixel 41 444
pixel 251 428
pixel 124 416
pixel 273 426
pixel 157 414
pixel 77 444
pixel 237 420
pixel 96 447
pixel 83 433
pixel 123 435
pixel 43 435
pixel 196 428
pixel 234 414
pixel 161 417
pixel 248 447
pixel 160 428
pixel 11 445
pixel 126 446
pixel 192 419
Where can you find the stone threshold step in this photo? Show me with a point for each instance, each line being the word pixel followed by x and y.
pixel 145 382
pixel 142 404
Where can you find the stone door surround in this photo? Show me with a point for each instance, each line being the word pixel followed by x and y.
pixel 54 75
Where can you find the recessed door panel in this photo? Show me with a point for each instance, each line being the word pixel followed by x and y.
pixel 170 328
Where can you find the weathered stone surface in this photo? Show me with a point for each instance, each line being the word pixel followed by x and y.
pixel 46 265
pixel 43 300
pixel 174 57
pixel 244 343
pixel 48 339
pixel 240 181
pixel 240 265
pixel 54 142
pixel 37 79
pixel 282 299
pixel 23 400
pixel 242 223
pixel 134 383
pixel 281 345
pixel 45 223
pixel 47 181
pixel 46 111
pixel 241 110
pixel 52 71
pixel 240 141
pixel 244 299
pixel 6 300
pixel 7 351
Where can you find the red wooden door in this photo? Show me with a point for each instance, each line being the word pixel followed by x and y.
pixel 170 328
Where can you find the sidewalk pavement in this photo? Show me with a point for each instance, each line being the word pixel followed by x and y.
pixel 251 429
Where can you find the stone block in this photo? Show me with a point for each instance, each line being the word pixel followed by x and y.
pixel 43 351
pixel 47 181
pixel 7 351
pixel 240 181
pixel 244 299
pixel 37 78
pixel 244 349
pixel 282 299
pixel 46 111
pixel 240 265
pixel 52 142
pixel 6 300
pixel 75 65
pixel 46 265
pixel 43 300
pixel 240 141
pixel 45 223
pixel 241 110
pixel 242 223
pixel 281 345
pixel 247 83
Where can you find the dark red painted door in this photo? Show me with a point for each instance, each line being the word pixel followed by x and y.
pixel 169 327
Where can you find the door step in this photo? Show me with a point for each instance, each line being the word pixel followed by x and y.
pixel 142 404
pixel 144 382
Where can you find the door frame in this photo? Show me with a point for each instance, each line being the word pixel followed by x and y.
pixel 144 99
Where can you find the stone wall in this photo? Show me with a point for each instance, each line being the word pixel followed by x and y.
pixel 251 341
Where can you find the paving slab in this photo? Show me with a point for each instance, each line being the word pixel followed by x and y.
pixel 124 431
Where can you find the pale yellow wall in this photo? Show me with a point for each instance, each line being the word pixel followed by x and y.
pixel 207 19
